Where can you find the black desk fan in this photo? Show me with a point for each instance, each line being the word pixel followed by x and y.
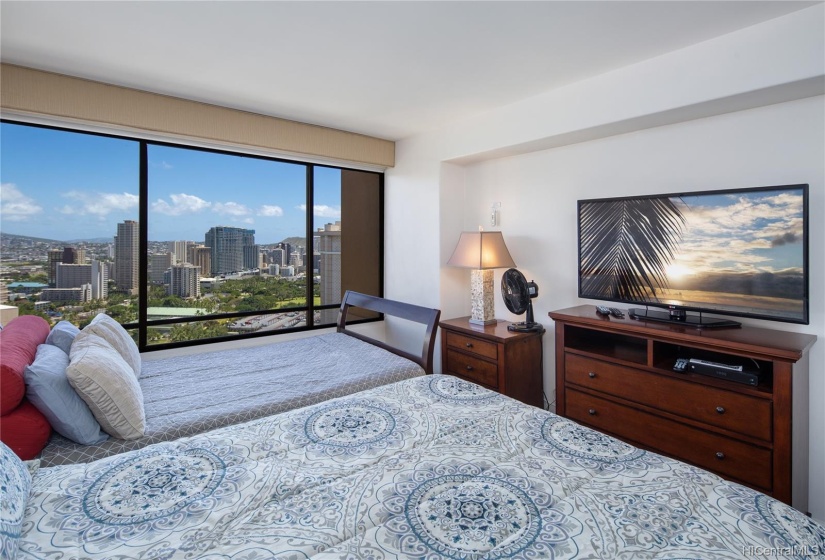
pixel 517 293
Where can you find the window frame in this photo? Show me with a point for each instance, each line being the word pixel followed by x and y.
pixel 142 325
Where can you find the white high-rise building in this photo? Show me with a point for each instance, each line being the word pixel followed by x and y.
pixel 184 281
pixel 100 280
pixel 126 257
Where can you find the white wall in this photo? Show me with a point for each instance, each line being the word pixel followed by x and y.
pixel 742 110
pixel 775 145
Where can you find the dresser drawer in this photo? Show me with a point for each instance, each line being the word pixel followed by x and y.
pixel 748 463
pixel 726 409
pixel 472 345
pixel 472 368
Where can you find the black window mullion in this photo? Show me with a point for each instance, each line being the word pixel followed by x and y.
pixel 309 275
pixel 143 248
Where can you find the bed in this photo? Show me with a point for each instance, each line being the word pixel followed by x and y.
pixel 430 467
pixel 187 395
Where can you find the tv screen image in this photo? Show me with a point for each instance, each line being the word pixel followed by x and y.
pixel 740 252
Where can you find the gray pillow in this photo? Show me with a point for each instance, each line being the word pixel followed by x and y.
pixel 62 336
pixel 48 389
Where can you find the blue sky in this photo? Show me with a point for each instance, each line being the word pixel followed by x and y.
pixel 63 185
pixel 760 231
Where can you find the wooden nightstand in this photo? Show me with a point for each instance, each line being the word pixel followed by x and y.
pixel 492 356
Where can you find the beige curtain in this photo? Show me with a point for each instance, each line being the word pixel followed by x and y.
pixel 28 92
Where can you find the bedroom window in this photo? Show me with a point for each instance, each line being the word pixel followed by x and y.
pixel 184 245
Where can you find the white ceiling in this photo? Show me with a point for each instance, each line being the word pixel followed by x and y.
pixel 387 69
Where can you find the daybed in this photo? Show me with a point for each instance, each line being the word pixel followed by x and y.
pixel 428 468
pixel 187 395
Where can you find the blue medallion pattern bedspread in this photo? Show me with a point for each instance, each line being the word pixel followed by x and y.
pixel 427 468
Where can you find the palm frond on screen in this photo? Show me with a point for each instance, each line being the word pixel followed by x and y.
pixel 626 246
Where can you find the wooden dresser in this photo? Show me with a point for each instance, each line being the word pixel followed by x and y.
pixel 617 375
pixel 507 362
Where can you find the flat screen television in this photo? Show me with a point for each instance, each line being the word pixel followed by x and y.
pixel 740 252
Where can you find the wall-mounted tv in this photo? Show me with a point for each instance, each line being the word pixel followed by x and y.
pixel 741 252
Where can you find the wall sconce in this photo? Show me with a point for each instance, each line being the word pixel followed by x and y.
pixel 482 251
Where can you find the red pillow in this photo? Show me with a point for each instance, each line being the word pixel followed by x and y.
pixel 18 345
pixel 25 430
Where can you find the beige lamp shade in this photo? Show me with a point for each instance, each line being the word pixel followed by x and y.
pixel 482 251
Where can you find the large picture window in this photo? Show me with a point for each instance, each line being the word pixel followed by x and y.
pixel 182 245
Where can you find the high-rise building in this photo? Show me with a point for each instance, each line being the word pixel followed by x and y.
pixel 227 244
pixel 55 258
pixel 201 256
pixel 82 294
pixel 329 268
pixel 180 251
pixel 184 281
pixel 158 264
pixel 73 275
pixel 73 255
pixel 4 292
pixel 100 280
pixel 278 256
pixel 252 256
pixel 126 257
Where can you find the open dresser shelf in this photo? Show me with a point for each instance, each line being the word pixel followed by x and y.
pixel 617 376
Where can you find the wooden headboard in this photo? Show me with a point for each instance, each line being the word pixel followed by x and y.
pixel 415 313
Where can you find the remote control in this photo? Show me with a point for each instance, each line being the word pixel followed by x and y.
pixel 680 365
pixel 715 365
pixel 616 312
pixel 602 310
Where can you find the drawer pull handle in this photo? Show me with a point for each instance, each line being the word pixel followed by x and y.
pixel 591 375
pixel 469 368
pixel 720 409
pixel 592 412
pixel 720 455
pixel 469 345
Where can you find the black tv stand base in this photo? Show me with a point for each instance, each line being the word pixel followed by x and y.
pixel 679 317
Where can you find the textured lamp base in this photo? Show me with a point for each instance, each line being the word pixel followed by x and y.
pixel 483 305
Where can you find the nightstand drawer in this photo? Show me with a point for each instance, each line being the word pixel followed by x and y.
pixel 472 345
pixel 725 409
pixel 748 463
pixel 472 368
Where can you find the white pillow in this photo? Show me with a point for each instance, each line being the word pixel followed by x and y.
pixel 107 384
pixel 113 333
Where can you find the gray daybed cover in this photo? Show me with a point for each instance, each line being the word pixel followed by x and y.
pixel 188 395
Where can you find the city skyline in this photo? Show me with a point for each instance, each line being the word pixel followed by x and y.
pixel 68 186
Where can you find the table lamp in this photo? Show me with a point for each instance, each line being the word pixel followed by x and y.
pixel 482 251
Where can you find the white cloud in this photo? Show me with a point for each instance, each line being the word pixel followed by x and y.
pixel 231 208
pixel 267 210
pixel 16 206
pixel 323 211
pixel 248 221
pixel 181 204
pixel 99 204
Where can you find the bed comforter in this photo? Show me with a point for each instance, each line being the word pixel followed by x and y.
pixel 427 468
pixel 188 395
